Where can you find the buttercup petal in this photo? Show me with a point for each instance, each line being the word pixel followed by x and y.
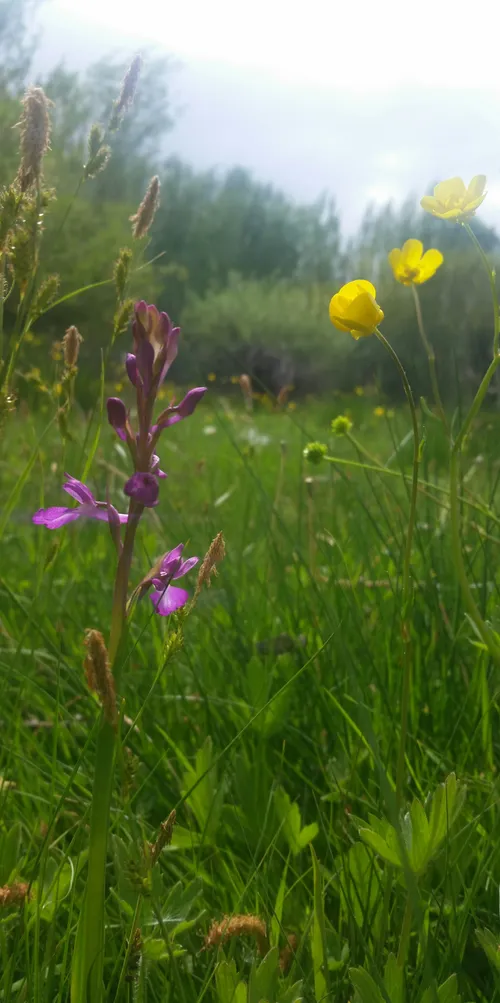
pixel 351 290
pixel 394 258
pixel 470 207
pixel 429 265
pixel 431 204
pixel 364 315
pixel 476 188
pixel 452 188
pixel 411 253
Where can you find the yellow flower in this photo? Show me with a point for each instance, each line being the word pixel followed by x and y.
pixel 355 309
pixel 235 379
pixel 292 406
pixel 118 387
pixel 379 412
pixel 211 377
pixel 359 391
pixel 452 200
pixel 410 265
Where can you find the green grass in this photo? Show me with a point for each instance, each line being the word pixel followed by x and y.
pixel 282 705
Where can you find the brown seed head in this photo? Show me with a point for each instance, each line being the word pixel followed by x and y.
pixel 238 926
pixel 127 93
pixel 71 346
pixel 35 136
pixel 146 212
pixel 98 673
pixel 214 555
pixel 134 957
pixel 14 894
pixel 164 837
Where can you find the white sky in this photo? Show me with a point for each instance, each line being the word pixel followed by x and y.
pixel 365 99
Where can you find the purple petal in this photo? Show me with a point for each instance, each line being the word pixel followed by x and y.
pixel 171 350
pixel 102 515
pixel 183 410
pixel 131 367
pixel 155 467
pixel 80 492
pixel 55 516
pixel 117 413
pixel 170 600
pixel 144 488
pixel 171 560
pixel 190 401
pixel 186 566
pixel 145 358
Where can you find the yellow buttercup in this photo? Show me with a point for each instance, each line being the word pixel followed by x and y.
pixel 355 309
pixel 411 266
pixel 452 200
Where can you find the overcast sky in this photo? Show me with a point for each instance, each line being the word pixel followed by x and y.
pixel 366 101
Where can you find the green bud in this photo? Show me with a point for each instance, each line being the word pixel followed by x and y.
pixel 315 452
pixel 341 425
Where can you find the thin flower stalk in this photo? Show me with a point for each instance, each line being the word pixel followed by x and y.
pixel 493 285
pixel 407 589
pixel 431 357
pixel 488 637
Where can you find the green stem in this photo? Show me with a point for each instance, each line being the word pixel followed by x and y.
pixel 476 404
pixel 492 281
pixel 407 594
pixel 404 938
pixel 128 951
pixel 2 298
pixel 362 451
pixel 90 985
pixel 431 358
pixel 485 633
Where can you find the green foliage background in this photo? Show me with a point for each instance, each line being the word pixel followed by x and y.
pixel 245 270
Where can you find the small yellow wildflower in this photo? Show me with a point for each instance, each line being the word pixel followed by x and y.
pixel 118 387
pixel 355 309
pixel 359 391
pixel 235 379
pixel 211 377
pixel 292 406
pixel 161 394
pixel 379 412
pixel 411 266
pixel 452 200
pixel 58 389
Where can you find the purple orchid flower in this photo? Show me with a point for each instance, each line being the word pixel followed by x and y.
pixel 155 342
pixel 144 488
pixel 59 515
pixel 117 416
pixel 166 597
pixel 178 412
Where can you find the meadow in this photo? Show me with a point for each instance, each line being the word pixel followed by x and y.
pixel 277 782
pixel 281 704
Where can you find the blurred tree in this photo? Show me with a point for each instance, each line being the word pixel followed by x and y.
pixel 213 225
pixel 17 42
